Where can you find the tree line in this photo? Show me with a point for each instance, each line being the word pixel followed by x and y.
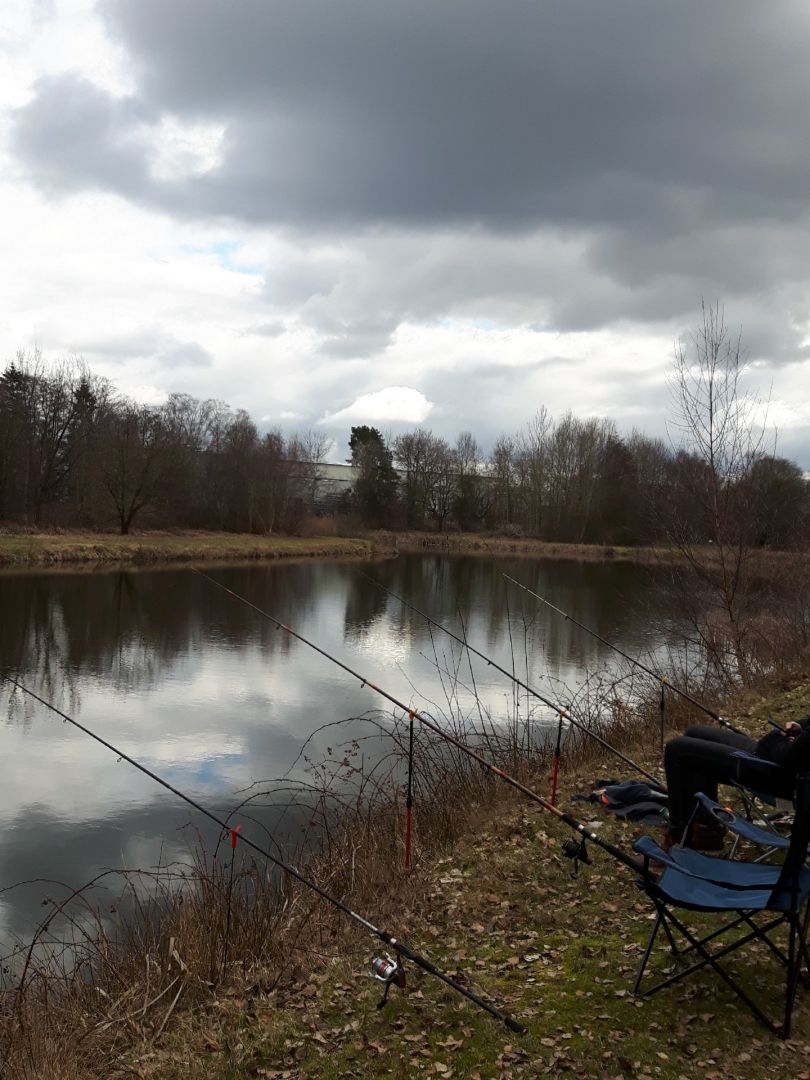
pixel 74 452
pixel 574 480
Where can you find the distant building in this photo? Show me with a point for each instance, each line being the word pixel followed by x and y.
pixel 330 486
pixel 325 487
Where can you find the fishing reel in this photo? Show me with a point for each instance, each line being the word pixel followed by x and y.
pixel 576 850
pixel 389 972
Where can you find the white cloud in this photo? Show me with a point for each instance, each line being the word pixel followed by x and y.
pixel 399 403
pixel 47 38
pixel 179 150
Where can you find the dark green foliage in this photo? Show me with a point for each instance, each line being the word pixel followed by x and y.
pixel 375 491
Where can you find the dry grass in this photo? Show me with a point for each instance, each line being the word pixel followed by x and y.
pixel 485 544
pixel 327 538
pixel 489 900
pixel 66 548
pixel 763 561
pixel 192 940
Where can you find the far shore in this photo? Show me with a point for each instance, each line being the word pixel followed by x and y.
pixel 69 549
pixel 75 548
pixel 87 549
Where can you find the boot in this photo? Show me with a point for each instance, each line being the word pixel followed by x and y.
pixel 670 839
pixel 706 837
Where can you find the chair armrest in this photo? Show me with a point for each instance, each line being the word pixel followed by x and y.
pixel 746 829
pixel 646 846
pixel 743 755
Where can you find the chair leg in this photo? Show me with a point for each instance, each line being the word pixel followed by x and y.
pixel 803 944
pixel 673 944
pixel 710 959
pixel 797 951
pixel 777 952
pixel 645 958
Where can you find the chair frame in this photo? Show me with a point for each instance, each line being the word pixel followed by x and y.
pixel 797 951
pixel 778 897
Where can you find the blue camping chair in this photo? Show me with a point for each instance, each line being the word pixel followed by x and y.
pixel 743 828
pixel 761 898
pixel 772 812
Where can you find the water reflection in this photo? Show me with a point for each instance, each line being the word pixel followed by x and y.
pixel 212 697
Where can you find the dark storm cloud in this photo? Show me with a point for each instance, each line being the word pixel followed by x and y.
pixel 565 166
pixel 75 136
pixel 464 111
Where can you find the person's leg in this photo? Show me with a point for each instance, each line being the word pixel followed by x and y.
pixel 694 764
pixel 759 776
pixel 714 733
pixel 765 778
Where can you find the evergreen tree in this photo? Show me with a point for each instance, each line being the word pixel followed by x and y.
pixel 374 494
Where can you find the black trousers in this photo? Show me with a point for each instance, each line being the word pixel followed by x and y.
pixel 702 758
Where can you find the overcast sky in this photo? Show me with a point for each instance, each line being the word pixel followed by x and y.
pixel 400 212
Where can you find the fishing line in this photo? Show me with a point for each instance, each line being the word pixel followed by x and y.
pixel 399 947
pixel 571 822
pixel 655 675
pixel 525 686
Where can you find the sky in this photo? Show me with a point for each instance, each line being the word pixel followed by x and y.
pixel 445 213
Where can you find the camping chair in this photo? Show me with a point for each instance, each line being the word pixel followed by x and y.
pixel 771 812
pixel 761 898
pixel 743 828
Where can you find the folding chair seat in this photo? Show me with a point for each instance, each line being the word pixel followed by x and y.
pixel 721 871
pixel 762 898
pixel 753 799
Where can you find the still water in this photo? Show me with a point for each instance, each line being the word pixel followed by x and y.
pixel 204 692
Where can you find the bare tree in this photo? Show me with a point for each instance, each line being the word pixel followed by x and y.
pixel 430 471
pixel 473 487
pixel 722 441
pixel 531 463
pixel 137 460
pixel 306 452
pixel 504 479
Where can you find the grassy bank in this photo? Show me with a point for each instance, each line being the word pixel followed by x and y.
pixel 87 548
pixel 763 560
pixel 63 548
pixel 50 549
pixel 502 909
pixel 490 900
pixel 481 544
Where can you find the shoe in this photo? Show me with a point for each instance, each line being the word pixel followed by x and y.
pixel 670 840
pixel 706 837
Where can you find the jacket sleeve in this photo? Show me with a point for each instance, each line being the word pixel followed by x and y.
pixel 773 746
pixel 792 754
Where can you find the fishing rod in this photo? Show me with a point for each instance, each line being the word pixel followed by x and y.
pixel 555 766
pixel 385 969
pixel 562 712
pixel 571 848
pixel 655 675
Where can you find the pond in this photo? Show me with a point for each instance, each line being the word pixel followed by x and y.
pixel 214 698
